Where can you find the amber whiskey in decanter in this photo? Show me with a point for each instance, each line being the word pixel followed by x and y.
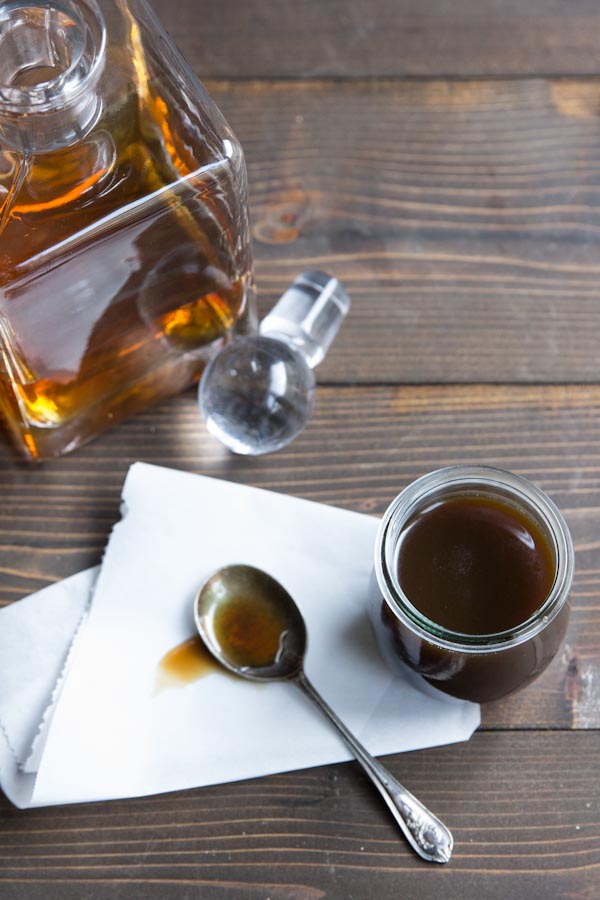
pixel 124 243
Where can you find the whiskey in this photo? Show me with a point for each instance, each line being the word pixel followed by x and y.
pixel 124 255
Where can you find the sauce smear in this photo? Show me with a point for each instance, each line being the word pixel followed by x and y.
pixel 185 663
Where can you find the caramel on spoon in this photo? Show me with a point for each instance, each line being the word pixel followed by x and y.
pixel 252 626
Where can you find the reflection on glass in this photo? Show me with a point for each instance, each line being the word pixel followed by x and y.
pixel 124 247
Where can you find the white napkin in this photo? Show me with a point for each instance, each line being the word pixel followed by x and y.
pixel 110 734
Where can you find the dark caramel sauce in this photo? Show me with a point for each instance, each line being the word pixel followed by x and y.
pixel 249 629
pixel 475 565
pixel 185 663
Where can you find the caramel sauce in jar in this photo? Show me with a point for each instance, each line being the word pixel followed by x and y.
pixel 473 567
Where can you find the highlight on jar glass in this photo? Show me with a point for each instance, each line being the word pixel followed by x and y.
pixel 473 568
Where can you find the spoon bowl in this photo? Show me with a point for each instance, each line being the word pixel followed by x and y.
pixel 251 625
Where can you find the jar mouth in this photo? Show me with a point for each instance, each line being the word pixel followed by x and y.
pixel 51 51
pixel 472 481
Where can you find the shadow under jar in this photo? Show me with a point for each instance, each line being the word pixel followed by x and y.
pixel 473 567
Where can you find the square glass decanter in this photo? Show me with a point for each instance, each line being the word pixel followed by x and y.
pixel 124 243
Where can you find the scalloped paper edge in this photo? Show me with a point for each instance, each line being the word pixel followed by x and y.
pixel 32 762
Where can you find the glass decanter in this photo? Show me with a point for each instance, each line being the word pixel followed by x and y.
pixel 124 242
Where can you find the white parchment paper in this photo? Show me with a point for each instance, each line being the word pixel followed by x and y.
pixel 112 735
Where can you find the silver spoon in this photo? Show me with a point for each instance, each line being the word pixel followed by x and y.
pixel 252 626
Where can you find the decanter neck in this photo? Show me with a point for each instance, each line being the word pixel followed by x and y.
pixel 51 57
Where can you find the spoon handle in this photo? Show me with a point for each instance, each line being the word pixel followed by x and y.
pixel 424 832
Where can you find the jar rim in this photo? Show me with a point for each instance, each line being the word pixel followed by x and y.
pixel 473 478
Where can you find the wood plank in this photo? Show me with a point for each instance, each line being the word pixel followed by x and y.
pixel 464 219
pixel 526 824
pixel 362 446
pixel 351 38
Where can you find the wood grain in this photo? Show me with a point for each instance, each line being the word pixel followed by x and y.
pixel 374 38
pixel 524 809
pixel 362 446
pixel 464 219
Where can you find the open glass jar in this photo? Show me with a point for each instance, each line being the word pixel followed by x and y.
pixel 473 666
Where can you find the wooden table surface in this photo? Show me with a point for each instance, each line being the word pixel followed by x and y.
pixel 443 160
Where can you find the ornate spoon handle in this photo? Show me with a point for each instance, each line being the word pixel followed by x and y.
pixel 424 832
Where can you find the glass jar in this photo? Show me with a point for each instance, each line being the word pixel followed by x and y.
pixel 124 241
pixel 477 667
